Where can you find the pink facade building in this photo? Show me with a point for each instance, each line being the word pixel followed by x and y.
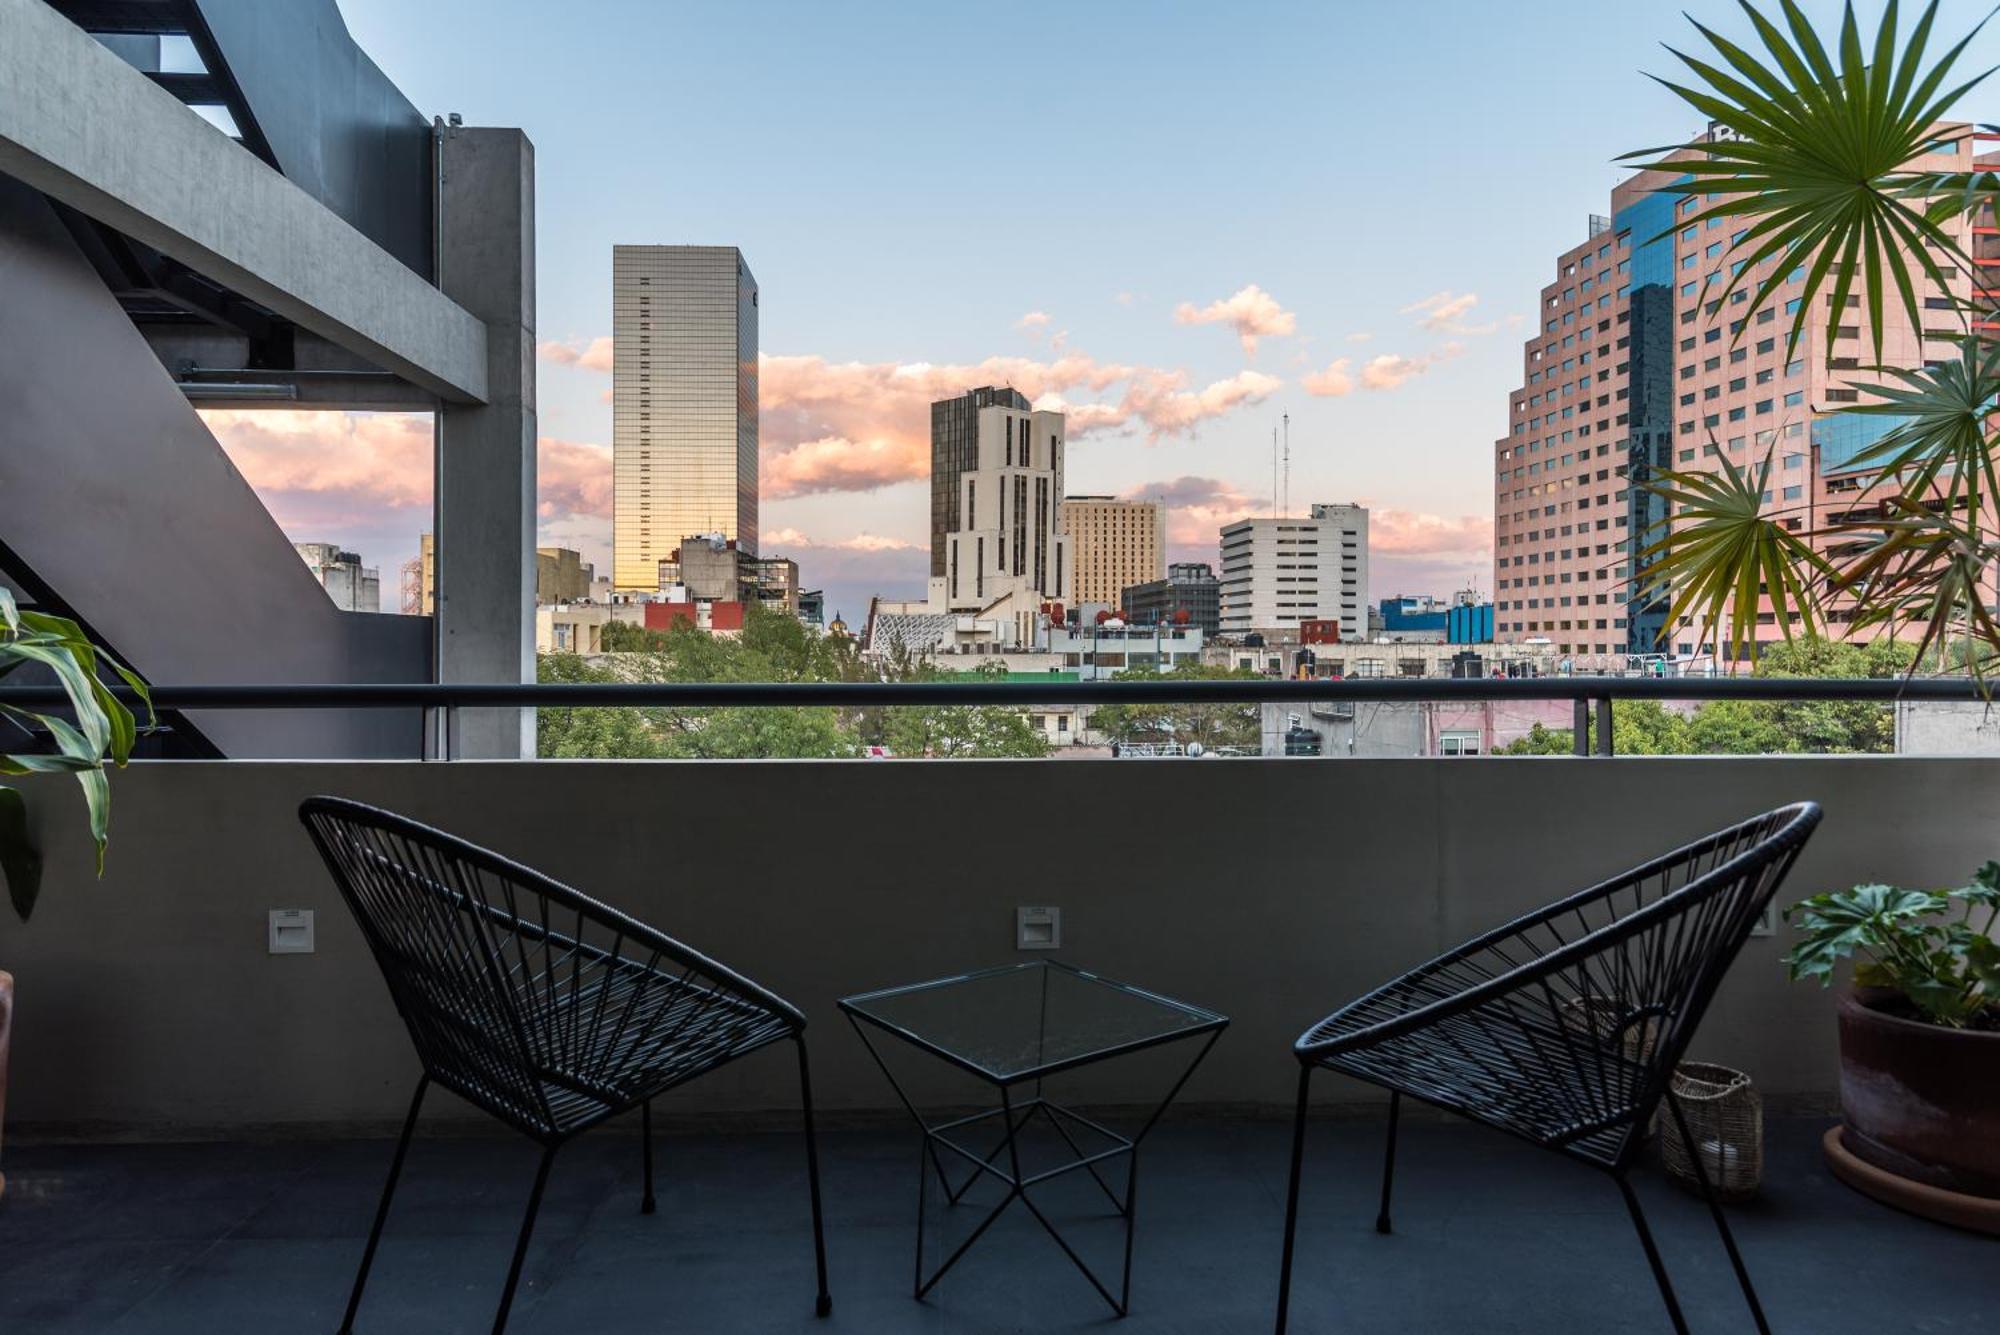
pixel 1640 364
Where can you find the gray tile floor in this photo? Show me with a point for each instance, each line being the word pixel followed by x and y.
pixel 1492 1236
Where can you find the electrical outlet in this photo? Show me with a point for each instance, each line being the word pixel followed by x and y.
pixel 1037 928
pixel 291 932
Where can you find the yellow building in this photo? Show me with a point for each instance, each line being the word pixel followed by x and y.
pixel 1114 545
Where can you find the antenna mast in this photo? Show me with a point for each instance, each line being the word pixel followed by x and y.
pixel 1274 472
pixel 1288 465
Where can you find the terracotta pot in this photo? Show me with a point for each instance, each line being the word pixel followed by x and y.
pixel 1919 1100
pixel 6 1028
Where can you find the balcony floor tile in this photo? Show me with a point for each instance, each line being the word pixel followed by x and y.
pixel 1493 1236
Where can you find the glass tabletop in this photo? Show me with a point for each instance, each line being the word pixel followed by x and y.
pixel 1024 1020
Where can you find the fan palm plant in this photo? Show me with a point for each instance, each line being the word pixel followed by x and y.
pixel 99 733
pixel 1812 145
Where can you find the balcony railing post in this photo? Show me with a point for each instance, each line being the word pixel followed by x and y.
pixel 1580 727
pixel 1604 743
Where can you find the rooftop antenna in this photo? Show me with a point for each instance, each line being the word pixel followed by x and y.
pixel 1274 472
pixel 1287 505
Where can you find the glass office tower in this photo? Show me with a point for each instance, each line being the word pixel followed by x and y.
pixel 684 404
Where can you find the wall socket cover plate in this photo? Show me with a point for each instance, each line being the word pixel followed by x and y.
pixel 291 932
pixel 1037 927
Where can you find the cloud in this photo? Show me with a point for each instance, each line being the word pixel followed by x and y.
pixel 1331 383
pixel 1170 410
pixel 594 355
pixel 1251 311
pixel 1032 323
pixel 855 426
pixel 1124 298
pixel 365 480
pixel 574 478
pixel 1360 336
pixel 1414 533
pixel 775 539
pixel 1444 313
pixel 1391 370
pixel 1197 507
pixel 836 463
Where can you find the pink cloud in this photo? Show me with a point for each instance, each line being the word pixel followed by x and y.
pixel 1197 507
pixel 573 478
pixel 594 355
pixel 1414 533
pixel 787 538
pixel 1331 383
pixel 1391 370
pixel 1251 311
pixel 1444 313
pixel 1033 323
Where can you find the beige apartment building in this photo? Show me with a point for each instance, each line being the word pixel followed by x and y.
pixel 684 404
pixel 1116 544
pixel 1637 365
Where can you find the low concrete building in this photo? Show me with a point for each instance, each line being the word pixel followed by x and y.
pixel 562 576
pixel 1190 591
pixel 352 586
pixel 1351 729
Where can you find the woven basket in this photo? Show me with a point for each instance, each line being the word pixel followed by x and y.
pixel 1607 1021
pixel 1725 1119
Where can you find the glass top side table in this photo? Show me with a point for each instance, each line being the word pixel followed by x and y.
pixel 1016 1025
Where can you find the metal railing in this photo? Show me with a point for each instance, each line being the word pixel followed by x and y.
pixel 1592 697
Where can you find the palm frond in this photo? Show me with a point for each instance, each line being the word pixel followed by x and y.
pixel 1818 147
pixel 1722 555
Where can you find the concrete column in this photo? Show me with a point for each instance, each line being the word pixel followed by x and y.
pixel 486 454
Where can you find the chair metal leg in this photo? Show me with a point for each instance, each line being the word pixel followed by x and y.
pixel 1292 1200
pixel 1653 1256
pixel 521 1244
pixel 1389 1161
pixel 646 1202
pixel 382 1210
pixel 1721 1222
pixel 823 1305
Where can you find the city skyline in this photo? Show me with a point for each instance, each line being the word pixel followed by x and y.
pixel 1236 253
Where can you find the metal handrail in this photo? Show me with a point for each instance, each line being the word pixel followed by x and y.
pixel 559 695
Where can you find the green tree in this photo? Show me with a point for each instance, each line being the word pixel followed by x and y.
pixel 958 731
pixel 1211 725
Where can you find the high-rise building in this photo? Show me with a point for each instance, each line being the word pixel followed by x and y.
pixel 1115 543
pixel 996 533
pixel 684 404
pixel 1637 364
pixel 1277 573
pixel 1190 587
pixel 352 586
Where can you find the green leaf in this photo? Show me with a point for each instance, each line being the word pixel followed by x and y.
pixel 1722 555
pixel 1821 153
pixel 20 862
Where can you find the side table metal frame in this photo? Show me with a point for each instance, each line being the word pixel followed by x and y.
pixel 1015 1115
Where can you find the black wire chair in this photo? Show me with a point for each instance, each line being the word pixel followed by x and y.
pixel 1564 1027
pixel 535 1003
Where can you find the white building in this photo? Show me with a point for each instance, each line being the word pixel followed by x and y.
pixel 1277 573
pixel 1000 550
pixel 352 586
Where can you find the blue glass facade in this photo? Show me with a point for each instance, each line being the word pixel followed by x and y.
pixel 1650 420
pixel 1842 436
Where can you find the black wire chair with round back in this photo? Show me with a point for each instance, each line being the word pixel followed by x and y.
pixel 537 1004
pixel 1563 1027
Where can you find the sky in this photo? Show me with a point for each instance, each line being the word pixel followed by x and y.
pixel 1182 222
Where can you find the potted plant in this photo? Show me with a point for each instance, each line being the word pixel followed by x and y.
pixel 1919 1042
pixel 97 732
